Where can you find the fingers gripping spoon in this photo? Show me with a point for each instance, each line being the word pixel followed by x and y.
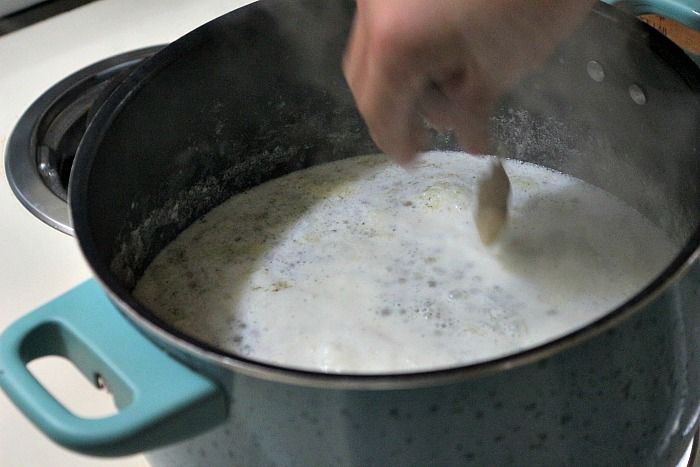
pixel 491 211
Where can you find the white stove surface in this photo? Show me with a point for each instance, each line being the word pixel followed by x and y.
pixel 38 263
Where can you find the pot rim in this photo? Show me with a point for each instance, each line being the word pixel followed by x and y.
pixel 201 351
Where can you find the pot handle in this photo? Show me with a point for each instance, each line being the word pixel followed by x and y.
pixel 686 12
pixel 159 400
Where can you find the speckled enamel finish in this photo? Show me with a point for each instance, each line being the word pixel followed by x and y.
pixel 627 397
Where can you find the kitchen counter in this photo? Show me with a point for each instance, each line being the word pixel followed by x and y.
pixel 38 263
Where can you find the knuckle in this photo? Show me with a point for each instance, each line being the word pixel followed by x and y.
pixel 391 41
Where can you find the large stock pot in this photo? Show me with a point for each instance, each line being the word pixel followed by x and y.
pixel 258 93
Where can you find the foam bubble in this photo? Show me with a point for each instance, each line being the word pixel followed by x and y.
pixel 361 266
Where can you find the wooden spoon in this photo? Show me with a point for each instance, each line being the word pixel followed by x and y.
pixel 491 211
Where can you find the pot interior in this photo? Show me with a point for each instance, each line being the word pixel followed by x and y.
pixel 250 97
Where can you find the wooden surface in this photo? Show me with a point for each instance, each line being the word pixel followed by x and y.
pixel 687 38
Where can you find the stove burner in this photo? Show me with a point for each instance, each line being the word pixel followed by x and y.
pixel 42 146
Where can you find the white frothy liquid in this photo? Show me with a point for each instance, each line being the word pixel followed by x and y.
pixel 361 266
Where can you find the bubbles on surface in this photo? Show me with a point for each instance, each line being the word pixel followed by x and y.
pixel 362 266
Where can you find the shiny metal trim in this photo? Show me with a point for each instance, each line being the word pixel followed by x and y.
pixel 23 157
pixel 27 184
pixel 395 381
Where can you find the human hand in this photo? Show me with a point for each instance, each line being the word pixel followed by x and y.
pixel 447 62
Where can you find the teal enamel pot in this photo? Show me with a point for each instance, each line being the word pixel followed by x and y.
pixel 259 93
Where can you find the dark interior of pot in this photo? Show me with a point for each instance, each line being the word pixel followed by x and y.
pixel 252 96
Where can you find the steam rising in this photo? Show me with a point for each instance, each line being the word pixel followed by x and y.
pixel 280 103
pixel 316 32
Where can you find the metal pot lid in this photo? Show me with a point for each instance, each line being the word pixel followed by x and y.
pixel 43 144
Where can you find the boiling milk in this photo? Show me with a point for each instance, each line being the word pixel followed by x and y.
pixel 361 266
